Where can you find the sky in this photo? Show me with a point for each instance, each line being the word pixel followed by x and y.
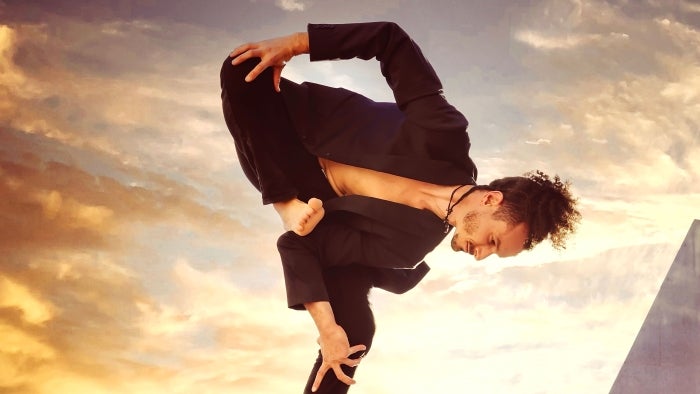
pixel 135 257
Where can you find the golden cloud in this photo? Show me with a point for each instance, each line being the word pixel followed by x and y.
pixel 14 295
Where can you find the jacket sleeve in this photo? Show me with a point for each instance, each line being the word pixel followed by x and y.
pixel 398 281
pixel 431 128
pixel 337 242
pixel 416 87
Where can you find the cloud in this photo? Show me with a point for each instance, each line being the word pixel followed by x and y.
pixel 10 75
pixel 291 5
pixel 83 305
pixel 688 6
pixel 86 150
pixel 79 194
pixel 539 141
pixel 53 204
pixel 137 259
pixel 73 268
pixel 609 276
pixel 121 101
pixel 482 318
pixel 96 329
pixel 212 324
pixel 629 111
pixel 16 296
pixel 568 25
pixel 541 41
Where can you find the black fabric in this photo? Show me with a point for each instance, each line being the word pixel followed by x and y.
pixel 423 137
pixel 296 173
pixel 280 135
pixel 268 148
pixel 347 289
pixel 343 239
pixel 419 136
pixel 357 229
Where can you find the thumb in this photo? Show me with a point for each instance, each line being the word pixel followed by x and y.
pixel 319 376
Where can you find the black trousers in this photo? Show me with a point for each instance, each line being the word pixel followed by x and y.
pixel 278 165
pixel 268 148
pixel 348 287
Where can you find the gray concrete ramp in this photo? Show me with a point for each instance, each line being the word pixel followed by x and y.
pixel 665 356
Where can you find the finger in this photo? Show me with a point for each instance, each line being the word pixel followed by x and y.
pixel 357 348
pixel 257 70
pixel 276 78
pixel 351 362
pixel 247 54
pixel 240 49
pixel 342 376
pixel 319 376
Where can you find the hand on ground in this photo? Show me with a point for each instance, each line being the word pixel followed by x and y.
pixel 335 350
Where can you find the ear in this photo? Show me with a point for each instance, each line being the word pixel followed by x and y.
pixel 493 198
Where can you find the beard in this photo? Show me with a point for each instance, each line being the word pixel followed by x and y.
pixel 470 223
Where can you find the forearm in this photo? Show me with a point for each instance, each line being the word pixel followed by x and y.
pixel 335 348
pixel 322 314
pixel 407 71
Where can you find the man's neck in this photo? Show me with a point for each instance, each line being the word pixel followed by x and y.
pixel 346 179
pixel 439 198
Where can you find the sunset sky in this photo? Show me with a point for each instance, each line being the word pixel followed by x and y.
pixel 136 258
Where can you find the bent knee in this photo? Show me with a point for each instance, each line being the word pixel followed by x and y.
pixel 364 336
pixel 233 77
pixel 288 240
pixel 291 242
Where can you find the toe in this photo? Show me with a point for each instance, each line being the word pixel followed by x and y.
pixel 315 204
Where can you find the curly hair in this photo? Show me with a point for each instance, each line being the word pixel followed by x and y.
pixel 544 203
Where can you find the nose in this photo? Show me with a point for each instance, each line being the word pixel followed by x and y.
pixel 482 253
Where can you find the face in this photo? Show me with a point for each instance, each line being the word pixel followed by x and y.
pixel 480 235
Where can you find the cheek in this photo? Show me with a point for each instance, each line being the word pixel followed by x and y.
pixel 470 223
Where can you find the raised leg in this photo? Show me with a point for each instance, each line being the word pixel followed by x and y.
pixel 269 150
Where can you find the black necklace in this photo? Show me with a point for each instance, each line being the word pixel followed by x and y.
pixel 451 206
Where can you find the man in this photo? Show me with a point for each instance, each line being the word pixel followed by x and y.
pixel 383 182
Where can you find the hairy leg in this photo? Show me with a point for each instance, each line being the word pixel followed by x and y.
pixel 299 216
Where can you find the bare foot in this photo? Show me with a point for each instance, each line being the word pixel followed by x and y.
pixel 299 216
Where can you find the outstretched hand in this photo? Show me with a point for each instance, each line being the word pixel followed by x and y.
pixel 335 350
pixel 275 53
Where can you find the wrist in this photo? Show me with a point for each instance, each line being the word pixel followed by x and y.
pixel 300 42
pixel 328 330
pixel 322 314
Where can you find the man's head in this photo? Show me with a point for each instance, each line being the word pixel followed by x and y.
pixel 514 214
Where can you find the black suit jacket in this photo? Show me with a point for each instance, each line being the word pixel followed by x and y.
pixel 420 136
